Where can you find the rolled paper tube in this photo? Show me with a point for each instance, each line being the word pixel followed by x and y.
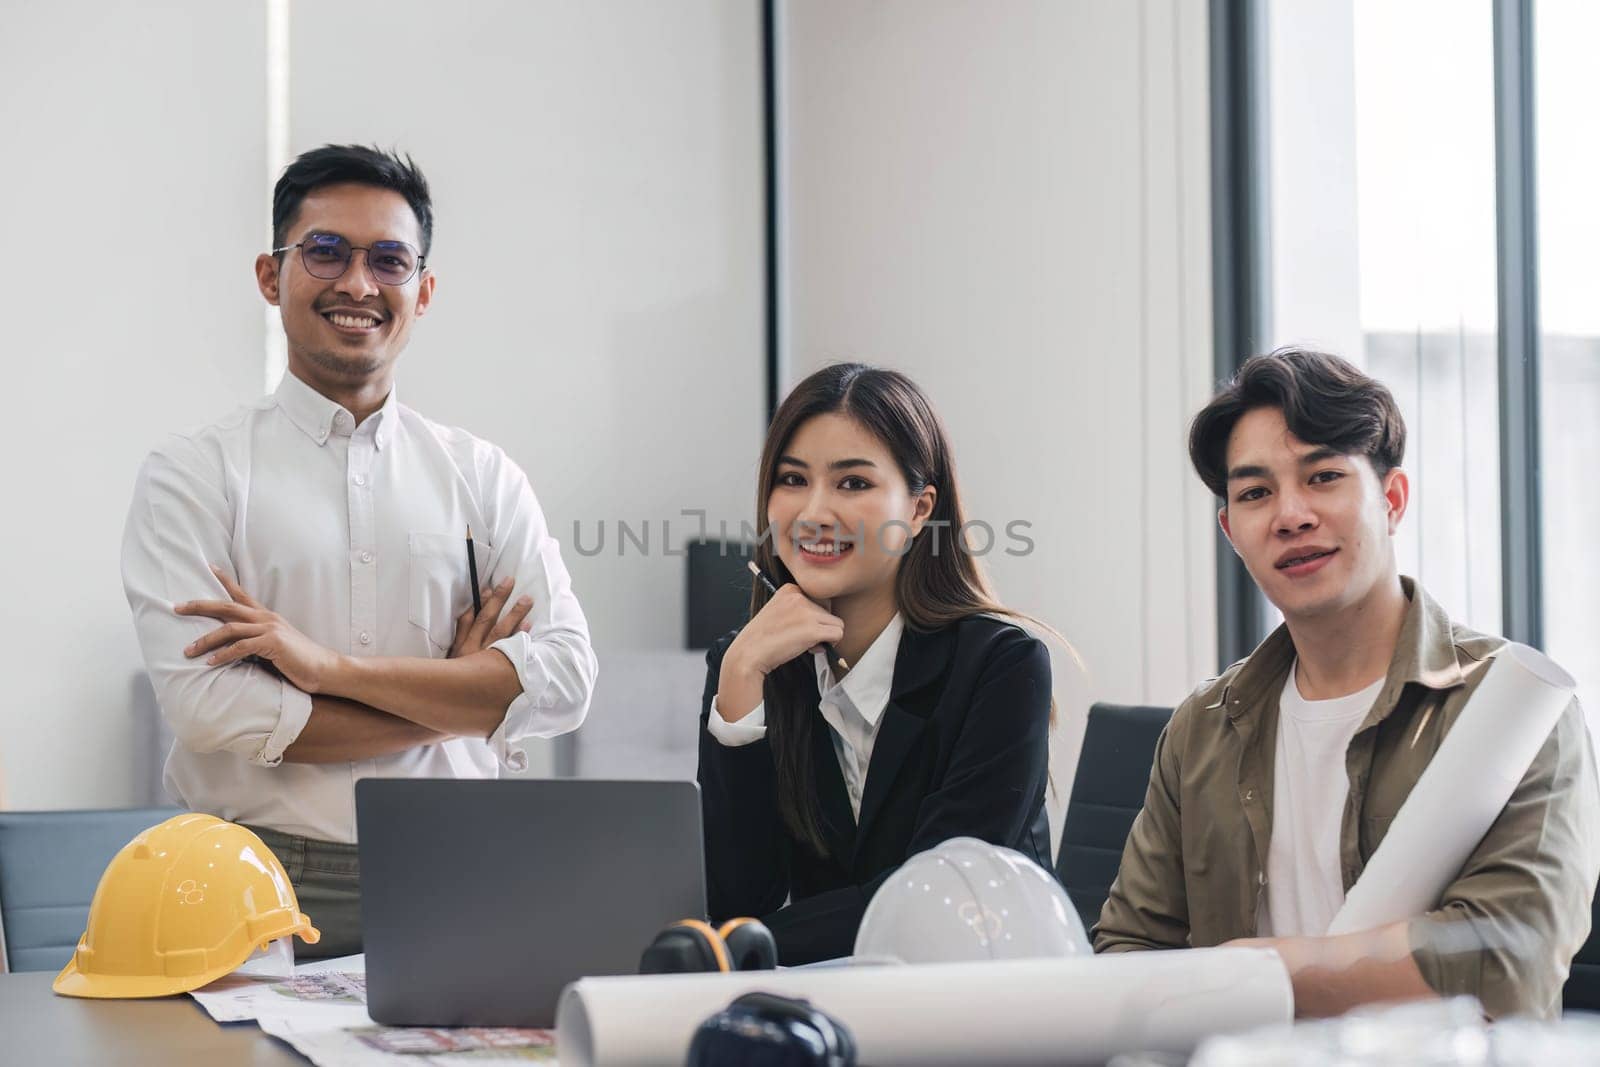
pixel 1052 1011
pixel 1462 791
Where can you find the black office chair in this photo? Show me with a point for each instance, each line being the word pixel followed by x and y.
pixel 1582 991
pixel 1119 746
pixel 719 589
pixel 50 866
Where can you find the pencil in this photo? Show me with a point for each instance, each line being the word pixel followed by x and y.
pixel 472 571
pixel 772 590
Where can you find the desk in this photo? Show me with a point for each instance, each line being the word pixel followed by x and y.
pixel 40 1029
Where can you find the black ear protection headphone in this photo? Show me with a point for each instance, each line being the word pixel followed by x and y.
pixel 695 945
pixel 763 1030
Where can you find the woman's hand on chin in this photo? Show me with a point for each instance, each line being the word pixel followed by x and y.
pixel 789 624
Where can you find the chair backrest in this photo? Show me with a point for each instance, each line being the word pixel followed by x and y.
pixel 1582 991
pixel 718 589
pixel 50 865
pixel 1119 745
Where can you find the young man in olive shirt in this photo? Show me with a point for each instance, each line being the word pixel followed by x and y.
pixel 1274 784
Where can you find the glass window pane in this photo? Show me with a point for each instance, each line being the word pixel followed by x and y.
pixel 1382 237
pixel 1566 87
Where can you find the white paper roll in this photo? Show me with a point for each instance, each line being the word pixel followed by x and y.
pixel 1489 748
pixel 1066 1011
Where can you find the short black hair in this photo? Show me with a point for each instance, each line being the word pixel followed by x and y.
pixel 334 164
pixel 1325 401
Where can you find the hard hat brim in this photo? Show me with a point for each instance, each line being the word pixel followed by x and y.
pixel 72 982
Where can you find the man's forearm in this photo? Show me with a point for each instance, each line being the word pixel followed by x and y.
pixel 340 730
pixel 1331 975
pixel 467 696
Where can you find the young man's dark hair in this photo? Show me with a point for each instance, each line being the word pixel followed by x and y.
pixel 1324 399
pixel 334 164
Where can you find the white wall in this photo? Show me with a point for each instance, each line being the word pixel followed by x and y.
pixel 1006 200
pixel 596 169
pixel 1009 202
pixel 132 205
pixel 596 174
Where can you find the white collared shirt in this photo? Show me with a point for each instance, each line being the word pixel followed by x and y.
pixel 357 537
pixel 852 708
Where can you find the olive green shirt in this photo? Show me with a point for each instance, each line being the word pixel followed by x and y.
pixel 1193 871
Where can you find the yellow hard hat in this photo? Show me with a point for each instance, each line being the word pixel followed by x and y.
pixel 181 905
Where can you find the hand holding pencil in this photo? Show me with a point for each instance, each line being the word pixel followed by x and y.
pixel 482 624
pixel 786 627
pixel 826 646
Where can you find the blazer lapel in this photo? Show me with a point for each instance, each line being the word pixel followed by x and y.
pixel 918 662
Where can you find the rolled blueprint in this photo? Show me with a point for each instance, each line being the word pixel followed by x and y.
pixel 1055 1011
pixel 1489 748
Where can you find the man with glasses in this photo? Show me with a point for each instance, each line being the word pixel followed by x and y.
pixel 299 570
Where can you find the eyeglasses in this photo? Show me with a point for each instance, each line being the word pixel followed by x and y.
pixel 327 256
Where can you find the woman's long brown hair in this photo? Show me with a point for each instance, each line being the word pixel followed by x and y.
pixel 939 582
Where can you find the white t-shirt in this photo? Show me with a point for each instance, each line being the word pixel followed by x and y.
pixel 1310 787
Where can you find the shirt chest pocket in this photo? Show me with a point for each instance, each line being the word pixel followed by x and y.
pixel 441 585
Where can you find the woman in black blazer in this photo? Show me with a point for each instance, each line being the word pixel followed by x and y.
pixel 879 703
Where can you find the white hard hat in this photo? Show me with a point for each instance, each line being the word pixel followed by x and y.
pixel 968 900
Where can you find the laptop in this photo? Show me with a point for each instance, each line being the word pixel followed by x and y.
pixel 482 899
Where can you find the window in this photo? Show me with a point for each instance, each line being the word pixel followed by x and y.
pixel 1363 182
pixel 1381 248
pixel 1566 85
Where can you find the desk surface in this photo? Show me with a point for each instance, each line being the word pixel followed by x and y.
pixel 38 1027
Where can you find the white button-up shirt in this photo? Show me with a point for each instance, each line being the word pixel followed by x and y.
pixel 852 708
pixel 357 537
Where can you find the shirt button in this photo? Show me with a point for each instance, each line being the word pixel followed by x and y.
pixel 366 638
pixel 361 479
pixel 366 557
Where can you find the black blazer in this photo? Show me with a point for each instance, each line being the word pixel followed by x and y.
pixel 961 751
